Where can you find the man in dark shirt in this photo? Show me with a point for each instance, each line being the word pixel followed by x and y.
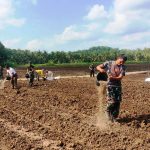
pixel 115 71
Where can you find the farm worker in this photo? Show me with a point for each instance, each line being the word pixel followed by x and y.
pixel 49 75
pixel 30 71
pixel 39 73
pixel 13 76
pixel 1 72
pixel 116 71
pixel 92 70
pixel 2 81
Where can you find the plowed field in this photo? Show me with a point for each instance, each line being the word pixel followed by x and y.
pixel 69 114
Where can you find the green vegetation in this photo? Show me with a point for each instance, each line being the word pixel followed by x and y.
pixel 70 59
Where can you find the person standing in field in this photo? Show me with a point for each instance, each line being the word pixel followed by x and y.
pixel 2 81
pixel 31 73
pixel 92 70
pixel 49 75
pixel 1 73
pixel 115 71
pixel 13 76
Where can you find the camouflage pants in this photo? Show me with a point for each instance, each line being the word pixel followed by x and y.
pixel 37 76
pixel 31 78
pixel 92 73
pixel 113 101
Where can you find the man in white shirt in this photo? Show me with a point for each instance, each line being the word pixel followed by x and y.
pixel 13 75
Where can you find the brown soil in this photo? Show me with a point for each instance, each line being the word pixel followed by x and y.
pixel 69 114
pixel 84 70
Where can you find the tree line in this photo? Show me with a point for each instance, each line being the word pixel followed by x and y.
pixel 91 55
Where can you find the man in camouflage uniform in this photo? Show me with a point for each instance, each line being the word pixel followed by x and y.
pixel 92 70
pixel 31 72
pixel 116 71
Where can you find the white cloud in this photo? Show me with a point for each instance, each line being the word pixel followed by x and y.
pixel 119 24
pixel 70 34
pixel 124 5
pixel 129 16
pixel 96 12
pixel 11 43
pixel 130 41
pixel 92 26
pixel 7 15
pixel 6 8
pixel 136 37
pixel 35 44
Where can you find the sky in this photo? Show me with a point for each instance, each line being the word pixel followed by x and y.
pixel 69 25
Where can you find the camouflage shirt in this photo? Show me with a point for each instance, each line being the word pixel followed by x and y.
pixel 115 71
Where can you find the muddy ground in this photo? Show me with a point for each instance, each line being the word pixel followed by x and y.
pixel 69 114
